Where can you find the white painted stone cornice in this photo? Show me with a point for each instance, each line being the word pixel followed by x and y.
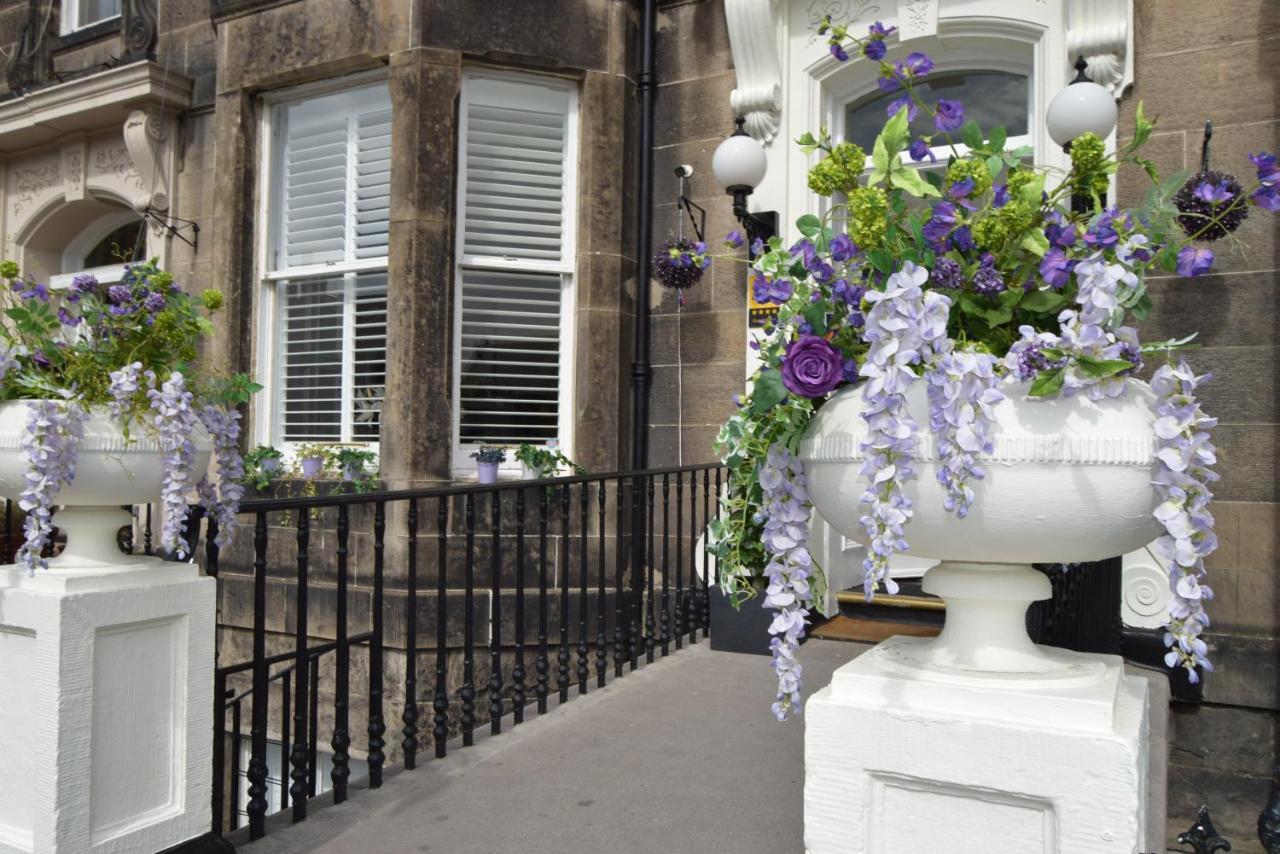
pixel 1102 32
pixel 90 103
pixel 753 37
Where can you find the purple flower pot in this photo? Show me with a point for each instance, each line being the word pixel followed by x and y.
pixel 488 472
pixel 311 466
pixel 269 465
pixel 351 471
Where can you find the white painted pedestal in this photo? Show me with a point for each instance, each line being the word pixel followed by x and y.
pixel 980 742
pixel 106 694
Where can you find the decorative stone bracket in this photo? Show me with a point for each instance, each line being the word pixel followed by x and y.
pixel 1102 32
pixel 148 135
pixel 753 37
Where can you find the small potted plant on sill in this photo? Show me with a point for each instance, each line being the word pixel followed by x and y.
pixel 487 459
pixel 541 462
pixel 312 459
pixel 354 464
pixel 262 465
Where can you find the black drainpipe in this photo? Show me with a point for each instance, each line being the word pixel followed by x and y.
pixel 641 371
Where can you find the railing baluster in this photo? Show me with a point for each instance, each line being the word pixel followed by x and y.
pixel 495 615
pixel 313 728
pixel 468 692
pixel 693 601
pixel 235 765
pixel 664 619
pixel 635 584
pixel 409 744
pixel 210 546
pixel 218 804
pixel 715 502
pixel 650 621
pixel 376 725
pixel 341 704
pixel 562 573
pixel 301 663
pixel 517 672
pixel 584 651
pixel 285 697
pixel 257 806
pixel 706 556
pixel 440 702
pixel 146 533
pixel 8 532
pixel 602 654
pixel 542 666
pixel 680 598
pixel 619 581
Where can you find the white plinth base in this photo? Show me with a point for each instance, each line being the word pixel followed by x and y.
pixel 106 693
pixel 901 758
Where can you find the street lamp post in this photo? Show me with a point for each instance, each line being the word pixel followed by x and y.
pixel 739 165
pixel 1082 107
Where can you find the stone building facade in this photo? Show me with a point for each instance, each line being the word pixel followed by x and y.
pixel 177 108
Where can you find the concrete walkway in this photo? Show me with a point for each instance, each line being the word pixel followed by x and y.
pixel 681 756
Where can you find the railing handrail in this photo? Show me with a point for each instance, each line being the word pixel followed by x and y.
pixel 312 652
pixel 268 505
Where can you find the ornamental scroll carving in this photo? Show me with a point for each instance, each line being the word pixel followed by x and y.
pixel 753 36
pixel 32 182
pixel 1102 32
pixel 147 135
pixel 138 28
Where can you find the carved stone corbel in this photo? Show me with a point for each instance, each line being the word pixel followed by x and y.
pixel 147 136
pixel 138 28
pixel 1102 32
pixel 753 37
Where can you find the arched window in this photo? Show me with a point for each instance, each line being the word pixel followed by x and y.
pixel 87 236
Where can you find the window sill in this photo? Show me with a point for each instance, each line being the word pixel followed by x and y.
pixel 87 35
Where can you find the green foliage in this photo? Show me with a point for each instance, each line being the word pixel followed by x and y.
pixel 263 465
pixel 839 171
pixel 544 461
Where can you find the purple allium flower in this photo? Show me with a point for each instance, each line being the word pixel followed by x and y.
pixel 734 239
pixel 842 248
pixel 771 291
pixel 838 52
pixel 1055 268
pixel 948 115
pixel 946 274
pixel 987 279
pixel 874 49
pixel 85 283
pixel 154 303
pixel 1193 261
pixel 1211 205
pixel 813 366
pixel 904 101
pixel 678 264
pixel 119 295
pixel 919 150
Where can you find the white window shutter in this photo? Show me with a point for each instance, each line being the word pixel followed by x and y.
pixel 515 145
pixel 310 369
pixel 373 183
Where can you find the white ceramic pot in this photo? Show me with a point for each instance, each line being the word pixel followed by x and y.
pixel 1069 480
pixel 111 471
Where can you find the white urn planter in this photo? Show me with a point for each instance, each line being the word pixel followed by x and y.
pixel 107 663
pixel 980 728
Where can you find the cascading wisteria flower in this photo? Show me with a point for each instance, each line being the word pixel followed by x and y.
pixel 785 520
pixel 962 399
pixel 50 447
pixel 904 327
pixel 1184 454
pixel 223 425
pixel 174 420
pixel 124 385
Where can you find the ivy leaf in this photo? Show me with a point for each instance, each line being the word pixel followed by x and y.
pixel 1043 301
pixel 768 391
pixel 1102 368
pixel 1035 242
pixel 809 225
pixel 911 180
pixel 971 134
pixel 1048 383
pixel 816 315
pixel 994 165
pixel 998 137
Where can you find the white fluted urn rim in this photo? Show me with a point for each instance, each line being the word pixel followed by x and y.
pixel 1067 479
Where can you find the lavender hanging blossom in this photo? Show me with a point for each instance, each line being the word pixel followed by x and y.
pixel 223 425
pixel 174 420
pixel 1184 454
pixel 904 327
pixel 124 385
pixel 50 447
pixel 962 399
pixel 786 532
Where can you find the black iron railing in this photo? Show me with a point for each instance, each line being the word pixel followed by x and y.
pixel 371 587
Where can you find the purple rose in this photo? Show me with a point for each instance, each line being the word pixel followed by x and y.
pixel 948 116
pixel 812 367
pixel 1193 261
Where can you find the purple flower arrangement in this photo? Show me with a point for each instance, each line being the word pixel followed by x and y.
pixel 127 349
pixel 679 264
pixel 972 277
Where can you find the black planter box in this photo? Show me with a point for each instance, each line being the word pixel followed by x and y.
pixel 744 629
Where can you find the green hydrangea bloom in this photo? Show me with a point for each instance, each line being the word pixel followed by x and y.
pixel 1088 152
pixel 9 269
pixel 868 216
pixel 976 170
pixel 1001 224
pixel 839 171
pixel 212 299
pixel 1018 179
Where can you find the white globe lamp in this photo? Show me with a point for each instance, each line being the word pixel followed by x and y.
pixel 1081 107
